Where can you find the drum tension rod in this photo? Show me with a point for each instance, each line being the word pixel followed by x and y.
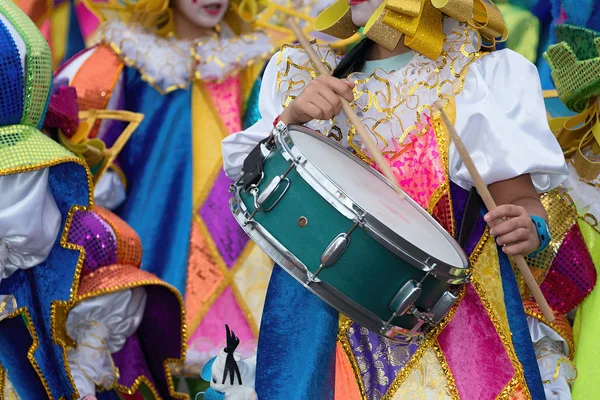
pixel 260 199
pixel 333 251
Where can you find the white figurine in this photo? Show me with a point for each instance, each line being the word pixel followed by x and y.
pixel 230 376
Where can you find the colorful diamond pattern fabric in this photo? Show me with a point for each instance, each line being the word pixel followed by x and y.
pixel 227 273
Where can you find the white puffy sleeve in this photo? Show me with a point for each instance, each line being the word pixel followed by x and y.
pixel 501 118
pixel 100 326
pixel 552 353
pixel 29 221
pixel 109 191
pixel 237 146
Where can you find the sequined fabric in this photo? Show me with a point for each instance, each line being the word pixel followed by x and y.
pixel 90 232
pixel 128 242
pixel 96 80
pixel 38 64
pixel 226 98
pixel 417 164
pixel 572 276
pixel 11 80
pixel 561 217
pixel 560 324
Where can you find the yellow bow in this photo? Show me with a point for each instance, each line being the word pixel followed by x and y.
pixel 420 21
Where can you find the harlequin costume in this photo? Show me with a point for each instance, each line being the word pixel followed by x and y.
pixel 121 314
pixel 574 62
pixel 480 92
pixel 192 94
pixel 42 185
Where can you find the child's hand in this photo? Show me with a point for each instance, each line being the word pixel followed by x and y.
pixel 516 232
pixel 319 100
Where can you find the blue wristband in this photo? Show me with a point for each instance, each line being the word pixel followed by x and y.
pixel 543 234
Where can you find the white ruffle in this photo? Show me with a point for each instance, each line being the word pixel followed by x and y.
pixel 500 111
pixel 169 63
pixel 29 221
pixel 100 326
pixel 552 353
pixel 218 58
pixel 109 191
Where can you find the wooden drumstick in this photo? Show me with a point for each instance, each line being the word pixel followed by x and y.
pixel 490 205
pixel 348 110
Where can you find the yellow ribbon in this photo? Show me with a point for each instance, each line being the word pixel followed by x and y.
pixel 577 135
pixel 420 21
pixel 94 151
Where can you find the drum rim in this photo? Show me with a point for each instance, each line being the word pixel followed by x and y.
pixel 372 226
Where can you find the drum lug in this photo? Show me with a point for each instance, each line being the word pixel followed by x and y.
pixel 272 187
pixel 443 305
pixel 333 252
pixel 405 298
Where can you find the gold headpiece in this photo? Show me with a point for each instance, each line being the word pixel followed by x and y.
pixel 420 21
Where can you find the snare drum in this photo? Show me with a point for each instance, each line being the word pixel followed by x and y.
pixel 337 226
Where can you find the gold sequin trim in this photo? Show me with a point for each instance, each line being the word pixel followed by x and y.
pixel 2 381
pixel 343 339
pixel 450 382
pixel 519 376
pixel 31 352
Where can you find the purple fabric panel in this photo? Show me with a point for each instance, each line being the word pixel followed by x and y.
pixel 229 238
pixel 378 359
pixel 131 362
pixel 160 333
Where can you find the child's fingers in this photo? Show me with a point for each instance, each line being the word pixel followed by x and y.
pixel 503 211
pixel 516 236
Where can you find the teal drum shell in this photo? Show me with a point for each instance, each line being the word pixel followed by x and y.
pixel 368 274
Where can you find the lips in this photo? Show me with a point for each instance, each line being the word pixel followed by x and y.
pixel 212 9
pixel 356 2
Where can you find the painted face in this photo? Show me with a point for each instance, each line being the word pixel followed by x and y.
pixel 362 10
pixel 204 13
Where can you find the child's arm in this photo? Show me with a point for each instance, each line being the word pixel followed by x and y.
pixel 517 201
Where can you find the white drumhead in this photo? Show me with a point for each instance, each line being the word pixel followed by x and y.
pixel 377 198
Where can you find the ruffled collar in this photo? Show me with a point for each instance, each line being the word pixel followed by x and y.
pixel 170 63
pixel 393 105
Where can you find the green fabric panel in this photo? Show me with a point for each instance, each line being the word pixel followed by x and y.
pixel 586 327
